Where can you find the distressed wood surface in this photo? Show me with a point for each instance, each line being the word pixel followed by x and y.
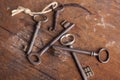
pixel 101 29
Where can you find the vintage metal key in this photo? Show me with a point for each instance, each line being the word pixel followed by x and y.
pixel 91 53
pixel 44 49
pixel 55 17
pixel 39 19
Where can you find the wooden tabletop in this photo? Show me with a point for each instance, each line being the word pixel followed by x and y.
pixel 100 29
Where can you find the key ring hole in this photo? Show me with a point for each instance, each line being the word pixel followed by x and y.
pixel 102 52
pixel 60 7
pixel 67 39
pixel 40 17
pixel 34 58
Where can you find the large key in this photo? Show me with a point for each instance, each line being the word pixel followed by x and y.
pixel 91 53
pixel 44 49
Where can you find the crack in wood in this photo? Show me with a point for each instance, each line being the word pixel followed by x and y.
pixel 7 30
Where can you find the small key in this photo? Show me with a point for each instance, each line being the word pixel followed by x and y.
pixel 55 17
pixel 44 49
pixel 98 55
pixel 43 19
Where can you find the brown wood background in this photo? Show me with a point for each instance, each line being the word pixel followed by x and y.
pixel 102 29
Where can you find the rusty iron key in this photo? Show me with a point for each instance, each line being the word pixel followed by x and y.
pixel 38 55
pixel 91 53
pixel 78 64
pixel 55 17
pixel 39 21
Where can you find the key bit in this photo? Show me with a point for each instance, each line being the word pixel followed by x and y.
pixel 65 23
pixel 88 71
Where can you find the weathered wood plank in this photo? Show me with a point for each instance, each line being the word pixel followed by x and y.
pixel 101 29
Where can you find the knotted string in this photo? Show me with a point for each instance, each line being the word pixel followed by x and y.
pixel 47 9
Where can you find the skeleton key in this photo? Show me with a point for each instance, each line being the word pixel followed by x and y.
pixel 55 17
pixel 42 18
pixel 38 55
pixel 91 53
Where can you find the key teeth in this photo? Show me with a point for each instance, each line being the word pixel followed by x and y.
pixel 63 23
pixel 88 71
pixel 66 24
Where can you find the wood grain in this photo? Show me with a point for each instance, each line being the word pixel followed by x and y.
pixel 101 29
